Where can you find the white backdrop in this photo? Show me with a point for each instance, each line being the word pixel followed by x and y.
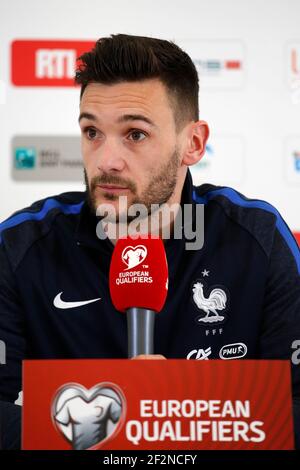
pixel 253 110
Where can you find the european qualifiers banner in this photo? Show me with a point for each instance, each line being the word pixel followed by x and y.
pixel 157 405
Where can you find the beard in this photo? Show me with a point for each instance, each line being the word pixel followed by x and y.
pixel 158 191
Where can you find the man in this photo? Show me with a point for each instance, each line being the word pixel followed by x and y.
pixel 141 131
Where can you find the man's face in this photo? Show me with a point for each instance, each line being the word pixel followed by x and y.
pixel 129 143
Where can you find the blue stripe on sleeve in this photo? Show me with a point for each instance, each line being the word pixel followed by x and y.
pixel 48 205
pixel 234 197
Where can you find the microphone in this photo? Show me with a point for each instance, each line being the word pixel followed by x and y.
pixel 138 284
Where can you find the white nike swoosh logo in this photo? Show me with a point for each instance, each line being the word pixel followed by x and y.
pixel 59 303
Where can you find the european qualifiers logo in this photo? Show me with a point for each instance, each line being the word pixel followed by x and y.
pixel 133 256
pixel 88 418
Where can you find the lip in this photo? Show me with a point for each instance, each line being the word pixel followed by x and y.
pixel 110 188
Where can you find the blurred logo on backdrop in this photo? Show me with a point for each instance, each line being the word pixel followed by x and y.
pixel 46 158
pixel 220 63
pixel 292 160
pixel 292 59
pixel 297 160
pixel 222 152
pixel 296 156
pixel 25 157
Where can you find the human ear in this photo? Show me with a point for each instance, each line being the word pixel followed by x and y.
pixel 197 138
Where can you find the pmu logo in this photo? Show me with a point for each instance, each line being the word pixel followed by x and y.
pixel 48 63
pixel 87 418
pixel 133 256
pixel 233 351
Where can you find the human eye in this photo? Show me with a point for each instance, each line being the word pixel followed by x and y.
pixel 90 132
pixel 136 135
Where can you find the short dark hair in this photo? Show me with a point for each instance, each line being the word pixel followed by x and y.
pixel 123 57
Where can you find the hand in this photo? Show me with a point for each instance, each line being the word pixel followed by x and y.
pixel 151 357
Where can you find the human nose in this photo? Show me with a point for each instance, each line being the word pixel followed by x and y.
pixel 110 157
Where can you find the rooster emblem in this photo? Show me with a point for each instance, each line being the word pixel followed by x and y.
pixel 216 301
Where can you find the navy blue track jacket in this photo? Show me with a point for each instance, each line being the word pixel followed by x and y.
pixel 50 251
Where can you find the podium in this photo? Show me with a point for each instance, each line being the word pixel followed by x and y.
pixel 95 404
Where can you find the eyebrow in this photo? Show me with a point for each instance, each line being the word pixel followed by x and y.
pixel 124 118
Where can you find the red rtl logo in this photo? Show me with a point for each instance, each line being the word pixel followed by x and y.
pixel 46 63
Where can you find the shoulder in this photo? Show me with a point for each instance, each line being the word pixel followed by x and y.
pixel 24 227
pixel 234 203
pixel 258 217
